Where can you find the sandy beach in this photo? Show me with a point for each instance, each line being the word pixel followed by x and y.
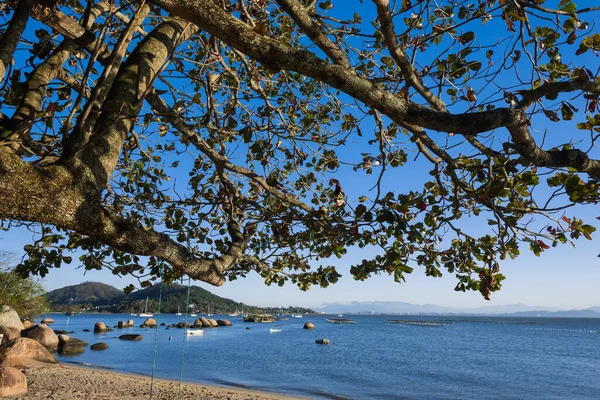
pixel 68 382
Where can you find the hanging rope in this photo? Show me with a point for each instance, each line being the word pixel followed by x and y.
pixel 187 306
pixel 162 266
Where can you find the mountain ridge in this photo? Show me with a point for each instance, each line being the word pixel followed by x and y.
pixel 398 307
pixel 100 297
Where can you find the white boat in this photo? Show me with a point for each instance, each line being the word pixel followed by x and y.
pixel 146 313
pixel 195 332
pixel 193 315
pixel 297 315
pixel 340 315
pixel 273 330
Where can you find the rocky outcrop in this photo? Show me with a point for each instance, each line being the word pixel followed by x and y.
pixel 125 324
pixel 12 382
pixel 213 323
pixel 224 322
pixel 9 317
pixel 131 336
pixel 9 333
pixel 25 353
pixel 198 323
pixel 149 323
pixel 99 346
pixel 47 321
pixel 309 325
pixel 100 327
pixel 205 323
pixel 182 325
pixel 70 345
pixel 42 334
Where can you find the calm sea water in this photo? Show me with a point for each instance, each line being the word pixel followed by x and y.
pixel 474 358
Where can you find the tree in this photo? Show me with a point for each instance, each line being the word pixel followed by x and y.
pixel 269 109
pixel 24 295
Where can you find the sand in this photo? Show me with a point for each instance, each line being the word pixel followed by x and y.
pixel 67 382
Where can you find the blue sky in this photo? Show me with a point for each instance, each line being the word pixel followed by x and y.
pixel 564 277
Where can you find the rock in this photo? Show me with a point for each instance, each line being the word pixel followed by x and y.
pixel 130 336
pixel 309 325
pixel 322 341
pixel 171 326
pixel 9 317
pixel 163 324
pixel 9 333
pixel 12 382
pixel 47 321
pixel 25 353
pixel 150 323
pixel 182 325
pixel 42 334
pixel 28 324
pixel 99 346
pixel 130 323
pixel 223 322
pixel 125 324
pixel 205 323
pixel 70 345
pixel 198 323
pixel 248 328
pixel 213 323
pixel 60 332
pixel 100 327
pixel 109 329
pixel 85 330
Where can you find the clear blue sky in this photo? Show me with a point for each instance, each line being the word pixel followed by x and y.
pixel 563 277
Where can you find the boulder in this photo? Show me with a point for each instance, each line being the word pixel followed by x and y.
pixel 309 325
pixel 130 336
pixel 25 353
pixel 47 321
pixel 163 324
pixel 213 323
pixel 198 323
pixel 85 330
pixel 9 317
pixel 27 323
pixel 182 325
pixel 9 333
pixel 42 334
pixel 70 345
pixel 122 324
pixel 130 323
pixel 12 382
pixel 223 322
pixel 149 323
pixel 100 327
pixel 205 323
pixel 248 328
pixel 99 346
pixel 322 341
pixel 60 332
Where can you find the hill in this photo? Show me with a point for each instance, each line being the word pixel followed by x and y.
pixel 99 297
pixel 94 293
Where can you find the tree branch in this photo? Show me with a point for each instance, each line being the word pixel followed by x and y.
pixel 10 38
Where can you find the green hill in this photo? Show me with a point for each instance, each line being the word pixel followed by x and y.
pixel 94 293
pixel 99 297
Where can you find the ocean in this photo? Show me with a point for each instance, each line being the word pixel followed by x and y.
pixel 471 358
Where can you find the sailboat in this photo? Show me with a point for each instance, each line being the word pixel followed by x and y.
pixel 146 313
pixel 209 314
pixel 178 313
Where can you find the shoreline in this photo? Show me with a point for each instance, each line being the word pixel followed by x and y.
pixel 74 381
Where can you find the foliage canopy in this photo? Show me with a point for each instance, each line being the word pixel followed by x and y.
pixel 24 295
pixel 223 137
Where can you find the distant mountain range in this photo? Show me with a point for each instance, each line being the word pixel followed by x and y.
pixel 398 307
pixel 99 297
